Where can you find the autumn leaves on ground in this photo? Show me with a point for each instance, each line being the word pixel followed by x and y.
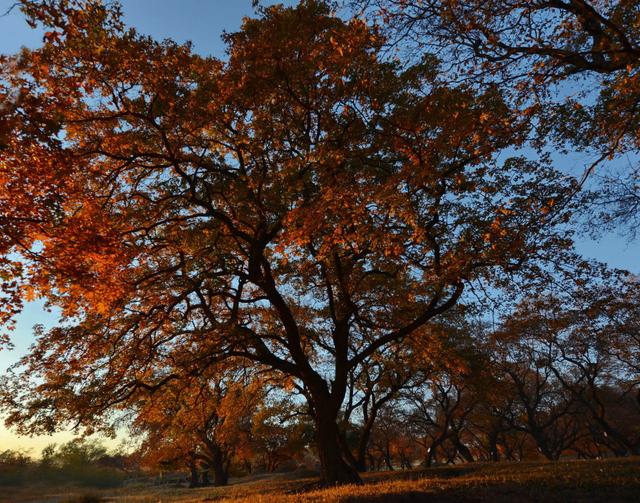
pixel 345 246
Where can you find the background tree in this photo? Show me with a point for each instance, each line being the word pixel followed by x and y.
pixel 440 412
pixel 581 329
pixel 203 421
pixel 378 383
pixel 542 407
pixel 281 436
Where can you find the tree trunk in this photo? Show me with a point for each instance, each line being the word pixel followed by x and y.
pixel 405 463
pixel 431 451
pixel 205 476
pixel 428 460
pixel 193 468
pixel 542 444
pixel 387 457
pixel 220 473
pixel 494 454
pixel 348 454
pixel 371 460
pixel 462 449
pixel 363 442
pixel 334 469
pixel 217 461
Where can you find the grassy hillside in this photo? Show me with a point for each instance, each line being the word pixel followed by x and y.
pixel 587 481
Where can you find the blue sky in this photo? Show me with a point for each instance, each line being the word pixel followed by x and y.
pixel 203 22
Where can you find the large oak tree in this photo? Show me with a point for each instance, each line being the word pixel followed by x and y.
pixel 302 205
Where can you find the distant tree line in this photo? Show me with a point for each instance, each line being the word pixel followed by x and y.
pixel 78 461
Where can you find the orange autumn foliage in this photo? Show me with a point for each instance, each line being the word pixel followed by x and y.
pixel 302 206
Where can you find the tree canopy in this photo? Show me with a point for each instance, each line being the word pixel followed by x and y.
pixel 302 205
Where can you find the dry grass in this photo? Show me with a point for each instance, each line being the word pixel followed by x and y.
pixel 577 481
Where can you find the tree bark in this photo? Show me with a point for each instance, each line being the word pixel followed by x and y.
pixel 363 441
pixel 205 476
pixel 542 444
pixel 387 458
pixel 363 444
pixel 494 454
pixel 193 469
pixel 346 450
pixel 334 469
pixel 220 472
pixel 462 449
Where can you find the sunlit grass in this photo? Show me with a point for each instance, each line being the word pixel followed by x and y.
pixel 608 480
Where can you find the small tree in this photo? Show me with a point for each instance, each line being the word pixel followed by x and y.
pixel 202 421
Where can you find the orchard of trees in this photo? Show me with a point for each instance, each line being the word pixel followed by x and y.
pixel 348 244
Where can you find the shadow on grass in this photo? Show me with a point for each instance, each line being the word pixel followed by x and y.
pixel 412 497
pixel 85 498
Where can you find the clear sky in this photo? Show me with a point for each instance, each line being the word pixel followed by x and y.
pixel 202 22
